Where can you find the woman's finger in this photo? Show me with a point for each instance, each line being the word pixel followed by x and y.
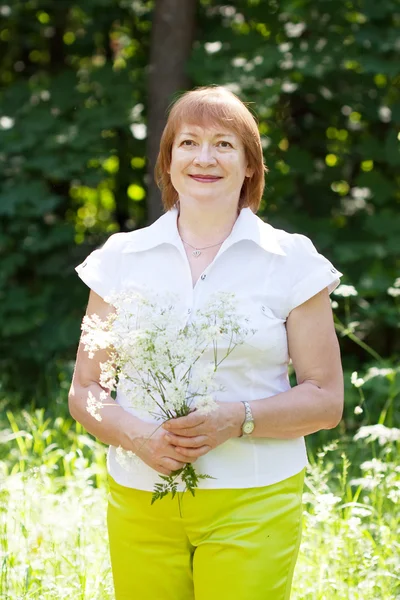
pixel 193 452
pixel 194 419
pixel 186 442
pixel 173 464
pixel 186 432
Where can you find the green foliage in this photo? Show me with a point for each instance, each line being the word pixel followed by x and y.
pixel 31 440
pixel 52 507
pixel 53 495
pixel 322 77
pixel 170 482
pixel 66 108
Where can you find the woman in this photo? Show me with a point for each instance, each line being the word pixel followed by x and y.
pixel 239 537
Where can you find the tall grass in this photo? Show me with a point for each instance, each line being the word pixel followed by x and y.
pixel 52 512
pixel 53 536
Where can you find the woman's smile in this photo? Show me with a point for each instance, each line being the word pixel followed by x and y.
pixel 205 178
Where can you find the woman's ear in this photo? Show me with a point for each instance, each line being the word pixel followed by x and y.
pixel 249 172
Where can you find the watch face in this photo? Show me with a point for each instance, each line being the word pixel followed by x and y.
pixel 248 427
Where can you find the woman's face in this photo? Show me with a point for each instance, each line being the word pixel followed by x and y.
pixel 208 165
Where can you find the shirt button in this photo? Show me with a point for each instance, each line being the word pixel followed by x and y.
pixel 263 308
pixel 333 270
pixel 189 311
pixel 203 276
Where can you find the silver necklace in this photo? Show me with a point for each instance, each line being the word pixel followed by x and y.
pixel 197 251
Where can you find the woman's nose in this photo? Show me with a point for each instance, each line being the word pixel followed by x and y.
pixel 204 156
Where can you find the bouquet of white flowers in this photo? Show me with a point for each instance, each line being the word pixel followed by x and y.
pixel 164 365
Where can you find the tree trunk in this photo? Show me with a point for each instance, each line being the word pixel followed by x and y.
pixel 171 43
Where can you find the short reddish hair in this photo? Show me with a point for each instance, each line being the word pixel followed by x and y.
pixel 205 106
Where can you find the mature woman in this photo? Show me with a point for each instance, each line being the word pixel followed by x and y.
pixel 238 538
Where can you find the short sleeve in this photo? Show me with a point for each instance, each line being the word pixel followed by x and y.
pixel 310 272
pixel 100 270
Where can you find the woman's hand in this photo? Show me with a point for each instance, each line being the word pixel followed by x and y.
pixel 154 448
pixel 198 431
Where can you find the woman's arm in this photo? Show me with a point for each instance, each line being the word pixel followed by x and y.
pixel 317 401
pixel 117 427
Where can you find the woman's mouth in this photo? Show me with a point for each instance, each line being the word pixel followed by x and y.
pixel 205 178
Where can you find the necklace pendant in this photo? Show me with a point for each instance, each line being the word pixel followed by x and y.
pixel 196 253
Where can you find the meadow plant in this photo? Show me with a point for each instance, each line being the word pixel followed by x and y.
pixel 163 363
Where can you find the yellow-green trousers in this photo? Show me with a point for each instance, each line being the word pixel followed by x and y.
pixel 221 544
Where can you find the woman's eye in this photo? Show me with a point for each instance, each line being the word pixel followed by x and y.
pixel 187 142
pixel 226 144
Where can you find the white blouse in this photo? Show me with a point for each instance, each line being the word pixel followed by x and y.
pixel 271 272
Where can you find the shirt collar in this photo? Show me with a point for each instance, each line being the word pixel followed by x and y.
pixel 165 231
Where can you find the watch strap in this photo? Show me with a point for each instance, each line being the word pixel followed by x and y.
pixel 248 416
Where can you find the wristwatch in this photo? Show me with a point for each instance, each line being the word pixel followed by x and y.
pixel 248 423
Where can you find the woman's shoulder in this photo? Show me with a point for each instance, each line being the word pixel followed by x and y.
pixel 124 241
pixel 291 243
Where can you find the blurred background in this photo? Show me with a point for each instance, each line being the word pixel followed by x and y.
pixel 84 92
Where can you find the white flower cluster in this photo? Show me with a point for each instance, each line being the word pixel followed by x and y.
pixel 125 457
pixel 158 360
pixel 395 290
pixel 371 373
pixel 93 405
pixel 356 380
pixel 383 434
pixel 96 333
pixel 345 291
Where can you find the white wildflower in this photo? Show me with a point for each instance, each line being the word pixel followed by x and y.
pixel 125 458
pixel 139 130
pixel 206 404
pixel 294 30
pixel 96 333
pixel 378 432
pixel 375 465
pixel 353 523
pixel 93 405
pixel 363 193
pixel 360 511
pixel 377 372
pixel 394 495
pixel 289 87
pixel 368 482
pixel 393 291
pixel 385 114
pixel 325 506
pixel 357 381
pixel 108 375
pixel 358 410
pixel 212 47
pixel 345 291
pixel 6 122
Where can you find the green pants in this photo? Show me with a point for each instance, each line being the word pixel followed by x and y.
pixel 227 544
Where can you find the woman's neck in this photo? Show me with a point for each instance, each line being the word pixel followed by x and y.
pixel 203 227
